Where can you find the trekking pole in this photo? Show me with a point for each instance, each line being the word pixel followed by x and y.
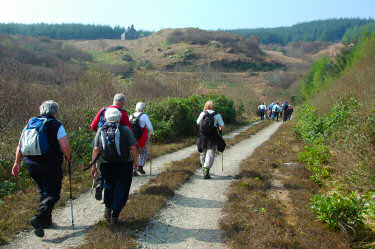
pixel 150 158
pixel 71 197
pixel 222 162
pixel 93 180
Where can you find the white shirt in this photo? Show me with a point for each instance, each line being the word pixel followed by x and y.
pixel 218 119
pixel 262 107
pixel 144 121
pixel 274 108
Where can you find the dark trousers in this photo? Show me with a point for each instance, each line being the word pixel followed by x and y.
pixel 261 114
pixel 286 116
pixel 117 181
pixel 49 179
pixel 276 115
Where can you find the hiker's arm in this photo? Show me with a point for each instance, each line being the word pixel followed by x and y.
pixel 94 123
pixel 17 161
pixel 64 145
pixel 220 122
pixel 200 118
pixel 133 151
pixel 95 153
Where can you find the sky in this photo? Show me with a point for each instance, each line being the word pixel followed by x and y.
pixel 154 15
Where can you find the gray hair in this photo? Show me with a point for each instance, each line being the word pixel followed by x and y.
pixel 49 107
pixel 112 115
pixel 140 107
pixel 119 98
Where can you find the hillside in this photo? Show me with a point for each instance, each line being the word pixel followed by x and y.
pixel 169 49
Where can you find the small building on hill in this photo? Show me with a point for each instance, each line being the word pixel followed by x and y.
pixel 130 34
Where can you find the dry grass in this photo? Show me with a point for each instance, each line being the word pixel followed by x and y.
pixel 256 219
pixel 144 205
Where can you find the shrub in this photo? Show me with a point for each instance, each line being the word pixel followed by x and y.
pixel 340 212
pixel 127 57
pixel 315 155
pixel 176 117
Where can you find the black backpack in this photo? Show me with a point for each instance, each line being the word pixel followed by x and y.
pixel 109 142
pixel 137 129
pixel 207 126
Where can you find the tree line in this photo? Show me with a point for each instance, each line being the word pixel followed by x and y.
pixel 318 30
pixel 66 31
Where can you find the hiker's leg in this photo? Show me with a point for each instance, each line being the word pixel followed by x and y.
pixel 142 156
pixel 122 185
pixel 49 187
pixel 108 177
pixel 203 156
pixel 52 187
pixel 210 157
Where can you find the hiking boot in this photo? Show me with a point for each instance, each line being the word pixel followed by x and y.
pixel 37 225
pixel 115 221
pixel 206 173
pixel 47 224
pixel 107 214
pixel 98 192
pixel 140 170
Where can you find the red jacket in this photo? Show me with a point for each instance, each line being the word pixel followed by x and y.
pixel 123 121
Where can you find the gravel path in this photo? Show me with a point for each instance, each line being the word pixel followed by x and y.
pixel 190 219
pixel 88 211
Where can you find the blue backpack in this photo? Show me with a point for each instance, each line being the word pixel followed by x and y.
pixel 34 141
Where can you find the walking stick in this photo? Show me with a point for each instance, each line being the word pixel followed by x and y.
pixel 222 162
pixel 71 197
pixel 93 180
pixel 150 158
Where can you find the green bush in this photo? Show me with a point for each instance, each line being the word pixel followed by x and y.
pixel 340 212
pixel 176 117
pixel 315 155
pixel 9 184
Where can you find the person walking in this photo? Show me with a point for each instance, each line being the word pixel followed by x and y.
pixel 44 166
pixel 99 120
pixel 276 111
pixel 141 128
pixel 285 110
pixel 270 107
pixel 209 122
pixel 262 110
pixel 290 112
pixel 116 147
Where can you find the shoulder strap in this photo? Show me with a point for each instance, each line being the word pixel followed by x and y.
pixel 213 114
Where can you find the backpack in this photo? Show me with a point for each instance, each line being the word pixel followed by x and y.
pixel 277 109
pixel 285 107
pixel 34 140
pixel 109 142
pixel 207 126
pixel 137 129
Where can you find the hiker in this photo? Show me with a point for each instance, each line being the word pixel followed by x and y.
pixel 262 110
pixel 270 107
pixel 209 122
pixel 290 112
pixel 99 120
pixel 276 109
pixel 116 147
pixel 44 166
pixel 285 110
pixel 141 126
